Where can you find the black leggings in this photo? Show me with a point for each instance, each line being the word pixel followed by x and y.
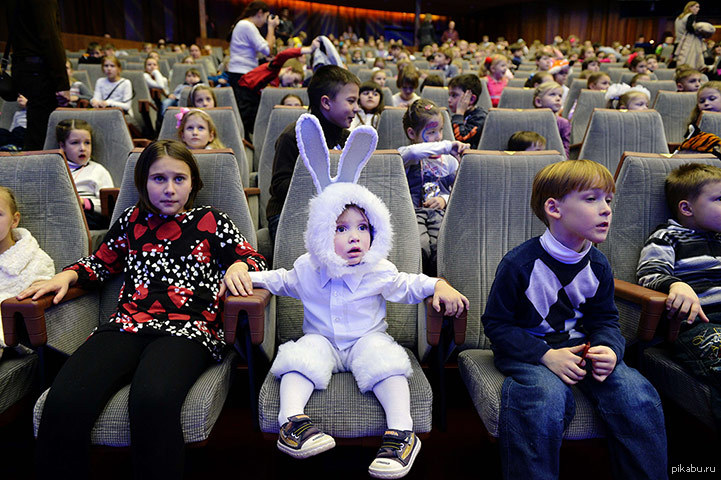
pixel 161 371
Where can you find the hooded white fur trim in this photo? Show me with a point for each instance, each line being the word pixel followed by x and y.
pixel 324 210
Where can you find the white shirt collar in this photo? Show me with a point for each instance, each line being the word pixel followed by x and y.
pixel 561 252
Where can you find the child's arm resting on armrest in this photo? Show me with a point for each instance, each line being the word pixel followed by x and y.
pixel 683 301
pixel 59 285
pixel 451 298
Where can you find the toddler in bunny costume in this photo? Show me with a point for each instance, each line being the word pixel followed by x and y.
pixel 343 281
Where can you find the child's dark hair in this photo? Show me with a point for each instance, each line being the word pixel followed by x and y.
pixel 537 79
pixel 64 127
pixel 93 47
pixel 193 71
pixel 5 191
pixel 418 114
pixel 686 183
pixel 595 77
pixel 408 77
pixel 639 78
pixel 371 85
pixel 634 62
pixel 468 81
pixel 432 80
pixel 587 61
pixel 200 87
pixel 165 148
pixel 522 140
pixel 328 80
pixel 291 95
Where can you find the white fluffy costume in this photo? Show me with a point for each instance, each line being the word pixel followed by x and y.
pixel 344 305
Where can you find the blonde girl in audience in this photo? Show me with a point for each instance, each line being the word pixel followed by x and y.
pixel 371 103
pixel 75 138
pixel 431 164
pixel 166 329
pixel 291 100
pixel 197 130
pixel 549 95
pixel 708 99
pixel 113 90
pixel 202 96
pixel 153 77
pixel 623 97
pixel 380 77
pixel 496 79
pixel 22 262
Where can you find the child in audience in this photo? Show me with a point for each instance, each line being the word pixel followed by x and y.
pixel 166 330
pixel 113 90
pixel 598 81
pixel 80 94
pixel 291 100
pixel 543 61
pixel 687 80
pixel 348 238
pixel 432 80
pixel 333 98
pixel 651 63
pixel 443 61
pixel 197 130
pixel 431 164
pixel 591 64
pixel 639 77
pixel 623 97
pixel 638 64
pixel 708 99
pixel 93 54
pixel 525 141
pixel 548 95
pixel 75 138
pixel 467 117
pixel 13 139
pixel 538 78
pixel 552 295
pixel 379 64
pixel 202 96
pixel 560 69
pixel 371 105
pixel 153 77
pixel 22 261
pixel 407 82
pixel 497 79
pixel 192 78
pixel 380 77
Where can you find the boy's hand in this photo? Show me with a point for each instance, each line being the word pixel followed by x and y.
pixel 565 363
pixel 436 203
pixel 459 147
pixel 454 301
pixel 59 285
pixel 683 302
pixel 237 281
pixel 464 102
pixel 603 360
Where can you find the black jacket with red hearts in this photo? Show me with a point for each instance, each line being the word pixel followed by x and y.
pixel 172 268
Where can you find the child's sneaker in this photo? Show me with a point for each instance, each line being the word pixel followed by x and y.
pixel 299 438
pixel 396 455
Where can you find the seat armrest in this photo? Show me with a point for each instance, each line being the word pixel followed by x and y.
pixel 141 142
pixel 251 191
pixel 254 306
pixel 145 105
pixel 653 306
pixel 32 314
pixel 434 324
pixel 248 145
pixel 108 199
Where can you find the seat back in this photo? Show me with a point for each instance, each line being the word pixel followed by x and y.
pixel 612 132
pixel 615 73
pixel 675 109
pixel 280 118
pixel 391 134
pixel 228 133
pixel 513 97
pixel 269 98
pixel 588 101
pixel 710 122
pixel 111 138
pixel 574 91
pixel 501 123
pixel 365 74
pixel 438 95
pixel 224 97
pixel 222 189
pixel 484 101
pixel 518 81
pixel 141 92
pixel 7 111
pixel 665 73
pixel 82 76
pixel 627 76
pixel 95 71
pixel 384 175
pixel 655 86
pixel 487 215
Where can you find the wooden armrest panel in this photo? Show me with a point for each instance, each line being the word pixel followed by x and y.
pixel 141 142
pixel 247 144
pixel 146 105
pixel 108 199
pixel 251 192
pixel 32 314
pixel 254 306
pixel 653 306
pixel 434 324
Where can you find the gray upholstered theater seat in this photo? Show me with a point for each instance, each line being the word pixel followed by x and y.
pixel 513 97
pixel 222 189
pixel 269 98
pixel 17 378
pixel 341 410
pixel 7 110
pixel 438 95
pixel 476 201
pixel 588 101
pixel 675 109
pixel 225 98
pixel 655 86
pixel 612 132
pixel 574 91
pixel 501 123
pixel 710 122
pixel 391 133
pixel 665 73
pixel 627 76
pixel 177 74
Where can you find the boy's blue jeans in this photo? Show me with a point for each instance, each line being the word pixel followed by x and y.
pixel 536 408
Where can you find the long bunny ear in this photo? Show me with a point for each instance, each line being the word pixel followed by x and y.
pixel 358 149
pixel 313 150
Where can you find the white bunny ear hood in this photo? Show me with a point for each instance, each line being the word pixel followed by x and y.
pixel 335 194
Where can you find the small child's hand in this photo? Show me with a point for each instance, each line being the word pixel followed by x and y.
pixel 565 363
pixel 453 300
pixel 237 281
pixel 172 96
pixel 22 101
pixel 683 302
pixel 458 148
pixel 436 203
pixel 464 102
pixel 59 285
pixel 603 360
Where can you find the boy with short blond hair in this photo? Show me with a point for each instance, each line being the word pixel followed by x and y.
pixel 552 323
pixel 687 80
pixel 683 258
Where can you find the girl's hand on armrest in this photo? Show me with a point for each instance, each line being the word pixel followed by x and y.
pixel 237 281
pixel 59 285
pixel 454 301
